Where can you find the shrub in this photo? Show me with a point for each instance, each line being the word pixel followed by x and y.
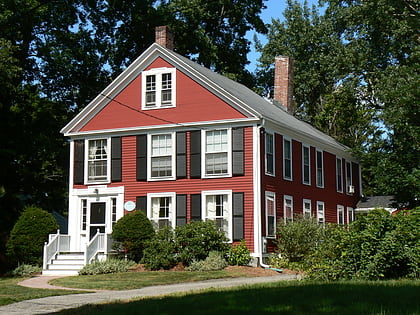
pixel 25 270
pixel 239 254
pixel 131 232
pixel 297 239
pixel 111 265
pixel 159 252
pixel 29 234
pixel 195 240
pixel 213 262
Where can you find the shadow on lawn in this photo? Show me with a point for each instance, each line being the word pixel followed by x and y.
pixel 280 298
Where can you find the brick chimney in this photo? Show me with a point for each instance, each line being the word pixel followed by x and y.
pixel 164 37
pixel 283 82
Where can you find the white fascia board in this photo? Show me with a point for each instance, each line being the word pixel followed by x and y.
pixel 243 122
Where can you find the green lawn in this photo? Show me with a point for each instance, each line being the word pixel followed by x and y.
pixel 11 292
pixel 290 297
pixel 136 280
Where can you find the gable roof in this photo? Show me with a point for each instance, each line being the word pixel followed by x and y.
pixel 373 202
pixel 237 95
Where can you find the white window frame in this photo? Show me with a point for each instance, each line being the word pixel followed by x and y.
pixel 351 215
pixel 108 161
pixel 304 181
pixel 339 174
pixel 267 172
pixel 171 217
pixel 228 216
pixel 340 215
pixel 158 72
pixel 270 196
pixel 287 198
pixel 320 217
pixel 83 214
pixel 150 157
pixel 204 153
pixel 290 159
pixel 307 213
pixel 317 177
pixel 349 179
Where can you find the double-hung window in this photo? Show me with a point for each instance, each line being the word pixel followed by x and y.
pixel 349 178
pixel 340 214
pixel 161 210
pixel 269 154
pixel 217 207
pixel 339 174
pixel 319 169
pixel 288 208
pixel 98 160
pixel 270 210
pixel 158 87
pixel 320 212
pixel 307 208
pixel 351 216
pixel 162 157
pixel 306 165
pixel 287 159
pixel 217 152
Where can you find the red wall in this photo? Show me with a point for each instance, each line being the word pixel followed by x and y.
pixel 193 103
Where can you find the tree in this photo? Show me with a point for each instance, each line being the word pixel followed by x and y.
pixel 29 234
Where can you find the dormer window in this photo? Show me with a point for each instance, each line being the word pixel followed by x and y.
pixel 158 87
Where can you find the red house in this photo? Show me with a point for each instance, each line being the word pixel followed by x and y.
pixel 182 143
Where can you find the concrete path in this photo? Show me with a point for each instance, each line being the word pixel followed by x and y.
pixel 58 303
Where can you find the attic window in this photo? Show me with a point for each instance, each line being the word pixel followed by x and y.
pixel 158 86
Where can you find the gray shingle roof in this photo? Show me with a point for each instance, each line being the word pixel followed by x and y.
pixel 376 202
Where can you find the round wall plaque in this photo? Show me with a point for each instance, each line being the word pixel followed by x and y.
pixel 130 205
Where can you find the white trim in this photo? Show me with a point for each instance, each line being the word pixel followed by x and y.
pixel 320 203
pixel 270 195
pixel 351 177
pixel 286 138
pixel 287 198
pixel 273 135
pixel 303 165
pixel 158 72
pixel 203 154
pixel 256 141
pixel 351 210
pixel 149 157
pixel 172 210
pixel 336 174
pixel 307 201
pixel 108 162
pixel 340 208
pixel 322 170
pixel 229 209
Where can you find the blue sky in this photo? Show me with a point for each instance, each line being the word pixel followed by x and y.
pixel 274 10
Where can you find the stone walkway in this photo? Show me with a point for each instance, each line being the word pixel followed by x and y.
pixel 57 303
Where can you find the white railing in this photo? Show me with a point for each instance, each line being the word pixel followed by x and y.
pixel 57 243
pixel 100 243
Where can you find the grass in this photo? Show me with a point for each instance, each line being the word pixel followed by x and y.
pixel 11 292
pixel 137 280
pixel 295 297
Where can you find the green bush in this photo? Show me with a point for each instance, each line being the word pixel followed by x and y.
pixel 25 270
pixel 111 265
pixel 130 234
pixel 239 255
pixel 195 240
pixel 213 262
pixel 159 252
pixel 297 239
pixel 29 234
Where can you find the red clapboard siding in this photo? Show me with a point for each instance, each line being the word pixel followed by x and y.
pixel 194 103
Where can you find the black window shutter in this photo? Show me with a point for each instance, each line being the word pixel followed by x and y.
pixel 238 151
pixel 116 159
pixel 78 166
pixel 238 216
pixel 195 148
pixel 196 207
pixel 141 204
pixel 181 210
pixel 181 155
pixel 141 158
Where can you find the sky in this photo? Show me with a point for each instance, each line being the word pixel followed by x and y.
pixel 274 10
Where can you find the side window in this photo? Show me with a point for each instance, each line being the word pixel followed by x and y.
pixel 307 208
pixel 320 212
pixel 306 165
pixel 339 174
pixel 270 211
pixel 269 154
pixel 287 159
pixel 349 179
pixel 319 169
pixel 158 86
pixel 340 214
pixel 288 208
pixel 351 216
